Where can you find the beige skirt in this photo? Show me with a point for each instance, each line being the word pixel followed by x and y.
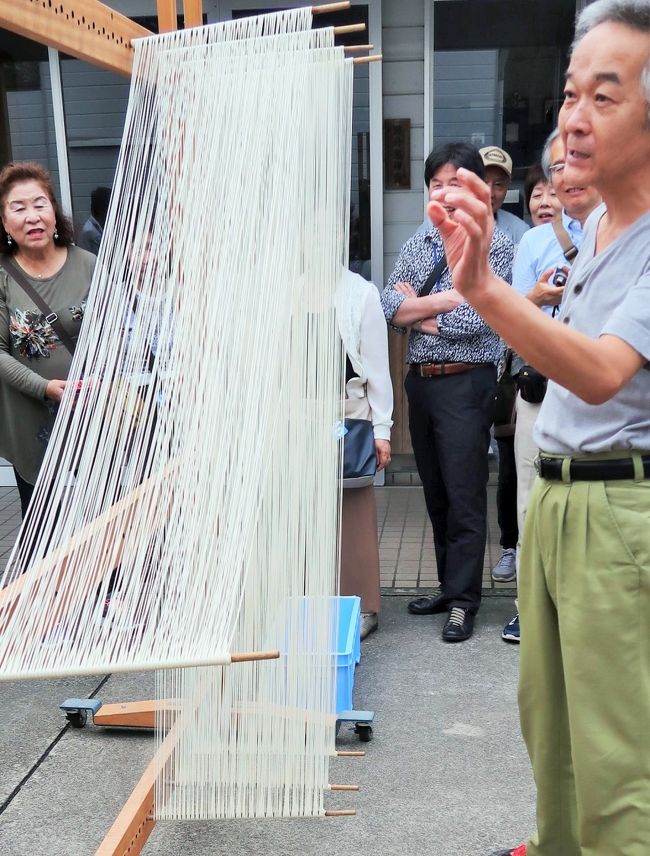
pixel 359 548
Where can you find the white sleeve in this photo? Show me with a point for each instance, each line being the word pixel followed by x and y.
pixel 374 359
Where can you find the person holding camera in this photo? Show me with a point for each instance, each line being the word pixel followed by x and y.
pixel 542 263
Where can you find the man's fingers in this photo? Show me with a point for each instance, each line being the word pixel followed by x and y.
pixel 471 227
pixel 546 275
pixel 463 200
pixel 441 220
pixel 437 213
pixel 475 185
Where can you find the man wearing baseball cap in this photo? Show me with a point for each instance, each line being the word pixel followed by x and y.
pixel 498 172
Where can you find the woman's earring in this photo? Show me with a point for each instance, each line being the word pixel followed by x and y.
pixel 56 234
pixel 9 240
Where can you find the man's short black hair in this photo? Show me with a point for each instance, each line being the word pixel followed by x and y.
pixel 459 154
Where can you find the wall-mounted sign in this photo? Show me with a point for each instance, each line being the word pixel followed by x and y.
pixel 397 154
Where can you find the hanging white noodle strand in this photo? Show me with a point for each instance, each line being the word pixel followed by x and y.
pixel 202 440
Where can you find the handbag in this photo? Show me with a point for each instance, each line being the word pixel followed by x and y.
pixel 531 385
pixel 359 457
pixel 505 400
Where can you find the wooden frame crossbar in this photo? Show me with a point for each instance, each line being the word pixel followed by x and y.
pixel 91 31
pixel 86 29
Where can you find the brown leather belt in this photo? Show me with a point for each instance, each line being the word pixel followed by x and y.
pixel 441 369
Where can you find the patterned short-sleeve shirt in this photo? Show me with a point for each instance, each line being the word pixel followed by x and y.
pixel 463 335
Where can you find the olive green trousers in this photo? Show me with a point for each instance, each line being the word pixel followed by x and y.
pixel 584 689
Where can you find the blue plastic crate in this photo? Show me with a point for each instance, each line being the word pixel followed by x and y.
pixel 348 651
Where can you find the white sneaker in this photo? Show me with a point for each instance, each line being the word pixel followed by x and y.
pixel 369 623
pixel 505 570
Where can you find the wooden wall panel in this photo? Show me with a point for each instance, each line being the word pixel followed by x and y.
pixel 400 437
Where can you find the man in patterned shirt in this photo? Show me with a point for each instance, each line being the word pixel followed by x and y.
pixel 450 387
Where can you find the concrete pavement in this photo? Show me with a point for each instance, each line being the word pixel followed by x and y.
pixel 445 775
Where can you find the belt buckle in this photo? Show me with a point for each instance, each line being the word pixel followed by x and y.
pixel 537 463
pixel 51 318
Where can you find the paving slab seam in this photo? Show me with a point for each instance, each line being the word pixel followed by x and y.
pixel 7 802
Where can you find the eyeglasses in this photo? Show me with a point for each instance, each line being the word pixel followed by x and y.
pixel 556 169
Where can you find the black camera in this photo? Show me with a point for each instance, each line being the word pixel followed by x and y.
pixel 559 277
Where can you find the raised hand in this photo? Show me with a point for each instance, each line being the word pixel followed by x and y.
pixel 468 234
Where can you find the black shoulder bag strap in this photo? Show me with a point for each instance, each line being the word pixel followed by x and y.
pixel 434 276
pixel 568 247
pixel 51 317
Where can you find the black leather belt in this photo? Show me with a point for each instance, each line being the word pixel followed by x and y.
pixel 605 470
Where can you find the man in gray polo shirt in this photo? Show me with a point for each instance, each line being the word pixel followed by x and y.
pixel 584 690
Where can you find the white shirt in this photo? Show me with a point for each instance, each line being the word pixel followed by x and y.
pixel 514 227
pixel 540 250
pixel 363 329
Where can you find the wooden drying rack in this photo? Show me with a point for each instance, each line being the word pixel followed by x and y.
pixel 93 32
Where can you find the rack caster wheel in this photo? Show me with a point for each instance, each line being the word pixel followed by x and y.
pixel 364 731
pixel 77 709
pixel 77 718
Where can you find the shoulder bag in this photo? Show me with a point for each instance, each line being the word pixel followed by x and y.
pixel 359 456
pixel 505 400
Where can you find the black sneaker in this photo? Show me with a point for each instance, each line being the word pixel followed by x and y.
pixel 459 626
pixel 428 605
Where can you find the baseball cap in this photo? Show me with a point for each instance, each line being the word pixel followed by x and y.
pixel 494 156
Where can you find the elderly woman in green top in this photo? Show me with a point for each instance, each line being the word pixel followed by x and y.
pixel 36 239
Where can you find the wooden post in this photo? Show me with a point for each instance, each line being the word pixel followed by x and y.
pixel 192 13
pixel 166 15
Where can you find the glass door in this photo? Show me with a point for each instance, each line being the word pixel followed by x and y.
pixel 498 78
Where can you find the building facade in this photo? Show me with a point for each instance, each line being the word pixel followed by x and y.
pixel 485 71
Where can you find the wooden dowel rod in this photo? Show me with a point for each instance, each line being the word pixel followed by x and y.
pixel 344 787
pixel 330 7
pixel 349 28
pixel 343 754
pixel 340 812
pixel 254 655
pixel 357 48
pixel 358 60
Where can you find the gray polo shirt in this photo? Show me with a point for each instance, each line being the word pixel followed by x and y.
pixel 606 293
